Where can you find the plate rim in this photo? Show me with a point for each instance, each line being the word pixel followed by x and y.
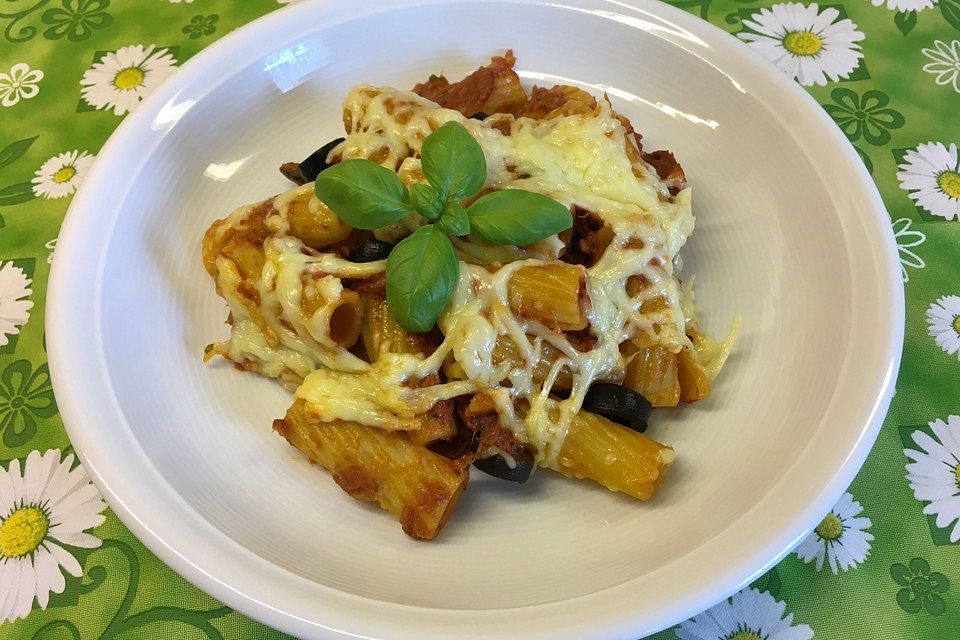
pixel 610 620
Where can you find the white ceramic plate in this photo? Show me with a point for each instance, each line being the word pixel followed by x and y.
pixel 790 233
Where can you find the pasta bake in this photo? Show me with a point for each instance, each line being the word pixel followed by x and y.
pixel 473 278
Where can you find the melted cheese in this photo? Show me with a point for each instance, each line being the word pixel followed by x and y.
pixel 249 345
pixel 378 397
pixel 277 339
pixel 579 160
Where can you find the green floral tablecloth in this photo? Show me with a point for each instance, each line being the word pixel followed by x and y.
pixel 885 563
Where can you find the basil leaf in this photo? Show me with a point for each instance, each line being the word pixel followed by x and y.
pixel 422 272
pixel 517 217
pixel 426 200
pixel 453 162
pixel 454 220
pixel 363 194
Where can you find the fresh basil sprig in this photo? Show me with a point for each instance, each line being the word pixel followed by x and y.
pixel 454 221
pixel 426 200
pixel 423 269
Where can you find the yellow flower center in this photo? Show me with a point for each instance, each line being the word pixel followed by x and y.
pixel 23 531
pixel 956 475
pixel 831 528
pixel 949 183
pixel 744 635
pixel 956 324
pixel 64 174
pixel 129 78
pixel 803 43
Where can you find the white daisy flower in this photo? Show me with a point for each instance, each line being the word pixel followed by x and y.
pixel 906 5
pixel 20 83
pixel 60 176
pixel 45 508
pixel 809 46
pixel 934 474
pixel 943 324
pixel 946 63
pixel 748 615
pixel 908 238
pixel 930 175
pixel 120 80
pixel 14 305
pixel 841 537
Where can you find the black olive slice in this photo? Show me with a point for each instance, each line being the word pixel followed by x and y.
pixel 317 161
pixel 618 403
pixel 479 115
pixel 497 467
pixel 370 251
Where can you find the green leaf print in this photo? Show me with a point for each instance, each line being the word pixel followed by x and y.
pixel 77 19
pixel 702 7
pixel 951 12
pixel 16 194
pixel 921 587
pixel 905 21
pixel 769 582
pixel 15 150
pixel 23 191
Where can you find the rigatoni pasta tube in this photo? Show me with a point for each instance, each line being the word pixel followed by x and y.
pixel 652 372
pixel 692 376
pixel 345 319
pixel 507 350
pixel 618 458
pixel 418 486
pixel 313 222
pixel 246 224
pixel 236 289
pixel 337 316
pixel 434 427
pixel 551 293
pixel 382 334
